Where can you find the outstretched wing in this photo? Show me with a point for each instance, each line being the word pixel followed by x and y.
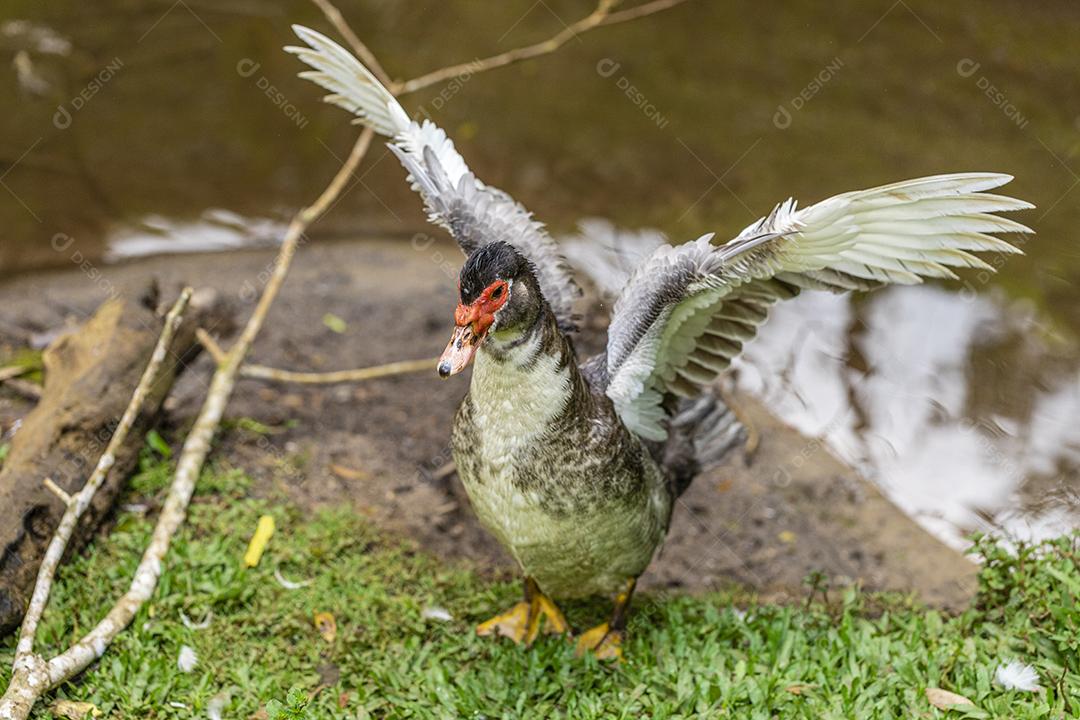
pixel 474 213
pixel 687 310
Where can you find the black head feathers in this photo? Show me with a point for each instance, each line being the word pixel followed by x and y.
pixel 491 262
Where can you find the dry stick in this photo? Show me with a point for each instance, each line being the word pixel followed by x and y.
pixel 262 372
pixel 31 677
pixel 211 346
pixel 27 389
pixel 640 11
pixel 11 372
pixel 400 367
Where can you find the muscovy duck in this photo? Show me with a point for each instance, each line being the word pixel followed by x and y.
pixel 574 466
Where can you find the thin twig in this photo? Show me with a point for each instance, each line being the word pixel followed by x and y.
pixel 211 346
pixel 640 11
pixel 12 371
pixel 401 367
pixel 22 387
pixel 35 678
pixel 590 21
pixel 334 16
pixel 56 490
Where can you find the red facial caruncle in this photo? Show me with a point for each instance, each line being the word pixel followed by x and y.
pixel 481 312
pixel 472 321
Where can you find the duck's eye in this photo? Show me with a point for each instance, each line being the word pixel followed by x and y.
pixel 497 292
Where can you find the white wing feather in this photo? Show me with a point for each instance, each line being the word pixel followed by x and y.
pixel 687 310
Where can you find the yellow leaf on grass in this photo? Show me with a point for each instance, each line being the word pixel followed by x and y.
pixel 945 700
pixel 74 710
pixel 263 531
pixel 800 688
pixel 326 625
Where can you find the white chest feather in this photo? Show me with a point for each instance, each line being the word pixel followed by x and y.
pixel 512 408
pixel 514 405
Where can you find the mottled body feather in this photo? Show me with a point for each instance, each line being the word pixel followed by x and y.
pixel 579 501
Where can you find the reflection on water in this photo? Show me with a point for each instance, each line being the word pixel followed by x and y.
pixel 897 387
pixel 215 231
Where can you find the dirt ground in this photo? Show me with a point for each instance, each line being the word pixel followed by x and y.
pixel 765 522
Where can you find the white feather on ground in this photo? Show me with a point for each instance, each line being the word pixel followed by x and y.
pixel 1015 675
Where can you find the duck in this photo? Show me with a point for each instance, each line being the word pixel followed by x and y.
pixel 574 464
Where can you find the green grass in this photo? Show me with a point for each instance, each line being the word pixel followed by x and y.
pixel 720 655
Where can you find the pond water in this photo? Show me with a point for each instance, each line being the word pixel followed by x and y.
pixel 155 127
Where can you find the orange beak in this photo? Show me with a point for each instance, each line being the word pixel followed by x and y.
pixel 472 325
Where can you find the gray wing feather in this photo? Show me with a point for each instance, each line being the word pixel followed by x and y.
pixel 473 213
pixel 476 215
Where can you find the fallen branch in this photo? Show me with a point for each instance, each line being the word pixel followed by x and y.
pixel 89 375
pixel 31 676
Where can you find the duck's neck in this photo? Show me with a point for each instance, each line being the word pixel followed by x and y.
pixel 523 380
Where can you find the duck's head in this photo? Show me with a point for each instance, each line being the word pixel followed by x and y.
pixel 498 295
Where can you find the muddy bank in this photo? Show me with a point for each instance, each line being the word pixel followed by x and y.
pixel 767 524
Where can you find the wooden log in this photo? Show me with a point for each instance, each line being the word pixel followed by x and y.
pixel 90 374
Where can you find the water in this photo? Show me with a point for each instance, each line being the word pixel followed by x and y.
pixel 963 419
pixel 134 128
